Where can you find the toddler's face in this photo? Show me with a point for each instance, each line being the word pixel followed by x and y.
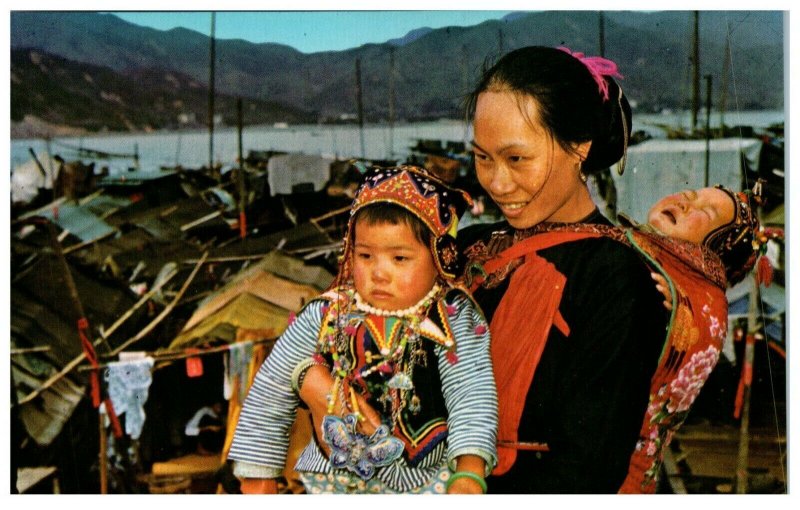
pixel 392 269
pixel 691 215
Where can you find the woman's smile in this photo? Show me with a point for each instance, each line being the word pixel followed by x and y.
pixel 527 173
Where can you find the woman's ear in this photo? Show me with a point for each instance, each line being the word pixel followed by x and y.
pixel 582 150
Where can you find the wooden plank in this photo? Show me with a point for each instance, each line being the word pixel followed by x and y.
pixel 30 476
pixel 192 464
pixel 673 473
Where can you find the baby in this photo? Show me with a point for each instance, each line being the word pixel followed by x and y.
pixel 698 243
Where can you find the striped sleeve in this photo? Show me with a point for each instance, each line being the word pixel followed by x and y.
pixel 261 439
pixel 469 388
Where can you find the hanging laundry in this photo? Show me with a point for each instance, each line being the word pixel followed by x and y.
pixel 128 385
pixel 237 364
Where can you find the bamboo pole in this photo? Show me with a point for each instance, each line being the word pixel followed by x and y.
pixel 211 82
pixel 38 163
pixel 28 350
pixel 751 337
pixel 695 70
pixel 236 258
pixel 391 102
pixel 723 98
pixel 82 356
pixel 68 281
pixel 88 198
pixel 166 311
pixel 708 129
pixel 742 458
pixel 360 105
pixel 200 221
pixel 240 180
pixel 103 447
pixel 75 297
pixel 180 354
pixel 601 33
pixel 331 214
pixel 71 248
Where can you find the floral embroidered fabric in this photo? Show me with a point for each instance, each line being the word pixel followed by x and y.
pixel 698 327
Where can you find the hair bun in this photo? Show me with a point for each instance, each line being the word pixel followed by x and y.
pixel 610 143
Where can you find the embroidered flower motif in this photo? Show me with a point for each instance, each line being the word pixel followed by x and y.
pixel 655 407
pixel 716 329
pixel 686 386
pixel 480 329
pixel 669 406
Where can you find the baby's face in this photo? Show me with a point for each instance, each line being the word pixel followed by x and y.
pixel 392 269
pixel 691 215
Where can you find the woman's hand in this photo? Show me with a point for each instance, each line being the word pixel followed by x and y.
pixel 259 486
pixel 314 392
pixel 464 485
pixel 663 287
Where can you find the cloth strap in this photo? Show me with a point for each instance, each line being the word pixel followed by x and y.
pixel 520 328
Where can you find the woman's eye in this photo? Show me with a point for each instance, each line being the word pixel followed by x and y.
pixel 480 157
pixel 400 258
pixel 515 159
pixel 362 255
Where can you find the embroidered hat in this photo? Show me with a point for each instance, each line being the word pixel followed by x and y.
pixel 738 242
pixel 437 205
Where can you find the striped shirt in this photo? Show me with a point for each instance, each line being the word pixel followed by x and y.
pixel 261 439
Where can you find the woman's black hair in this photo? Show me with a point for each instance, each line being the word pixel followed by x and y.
pixel 569 102
pixel 386 212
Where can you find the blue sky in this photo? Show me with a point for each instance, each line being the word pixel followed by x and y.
pixel 311 31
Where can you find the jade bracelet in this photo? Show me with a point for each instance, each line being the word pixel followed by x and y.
pixel 467 474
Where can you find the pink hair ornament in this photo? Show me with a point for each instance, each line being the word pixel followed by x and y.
pixel 598 67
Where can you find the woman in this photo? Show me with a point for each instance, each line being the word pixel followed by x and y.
pixel 577 329
pixel 577 324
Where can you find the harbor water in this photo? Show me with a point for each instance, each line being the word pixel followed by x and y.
pixel 192 148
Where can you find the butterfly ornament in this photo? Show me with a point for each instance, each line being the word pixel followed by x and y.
pixel 357 452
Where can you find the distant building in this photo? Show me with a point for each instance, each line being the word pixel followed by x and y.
pixel 187 118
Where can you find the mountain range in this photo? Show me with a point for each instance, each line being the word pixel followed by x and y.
pixel 101 72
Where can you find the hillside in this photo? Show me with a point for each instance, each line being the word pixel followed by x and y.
pixel 433 68
pixel 61 92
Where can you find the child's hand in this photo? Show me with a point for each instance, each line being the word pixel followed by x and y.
pixel 466 485
pixel 372 419
pixel 663 287
pixel 313 392
pixel 316 386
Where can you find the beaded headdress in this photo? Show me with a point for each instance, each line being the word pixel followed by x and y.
pixel 738 243
pixel 429 199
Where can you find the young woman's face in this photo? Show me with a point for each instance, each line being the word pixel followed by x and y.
pixel 692 215
pixel 524 170
pixel 392 269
